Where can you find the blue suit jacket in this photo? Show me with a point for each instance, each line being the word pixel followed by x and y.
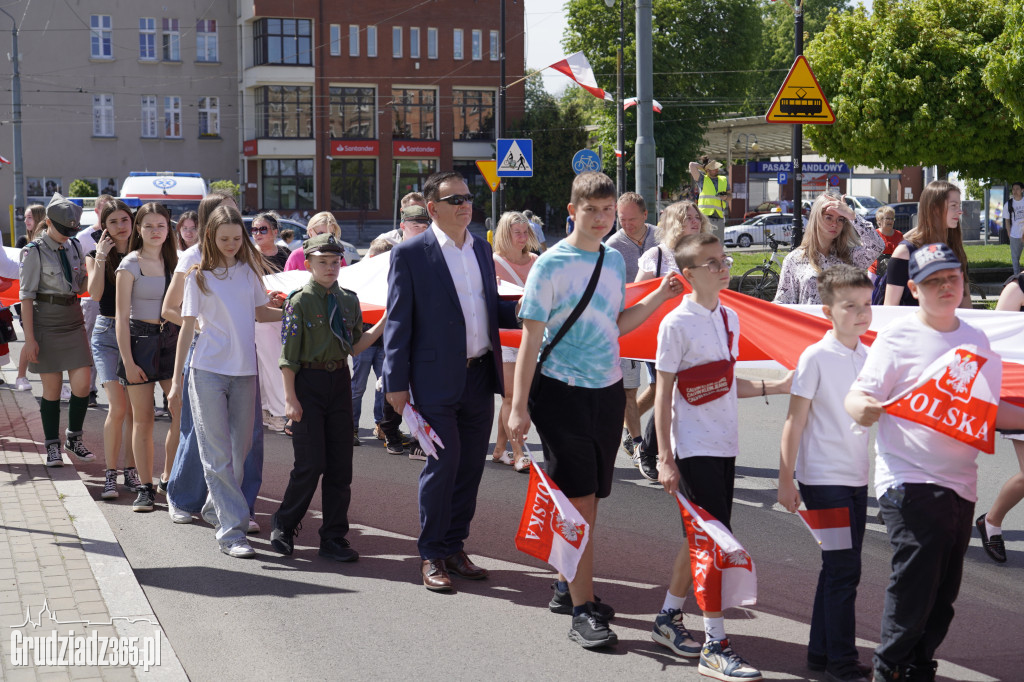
pixel 425 333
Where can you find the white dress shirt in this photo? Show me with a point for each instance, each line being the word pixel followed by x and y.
pixel 469 285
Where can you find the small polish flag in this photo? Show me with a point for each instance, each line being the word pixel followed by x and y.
pixel 830 527
pixel 4 160
pixel 618 153
pixel 576 67
pixel 632 101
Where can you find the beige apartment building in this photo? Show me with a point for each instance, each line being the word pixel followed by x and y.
pixel 114 86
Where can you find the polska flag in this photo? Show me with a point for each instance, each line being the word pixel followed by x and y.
pixel 830 527
pixel 577 67
pixel 957 395
pixel 723 573
pixel 551 529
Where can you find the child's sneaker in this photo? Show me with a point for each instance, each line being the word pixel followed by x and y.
pixel 561 603
pixel 22 384
pixel 53 458
pixel 590 630
pixel 76 447
pixel 239 549
pixel 718 660
pixel 144 501
pixel 110 485
pixel 132 482
pixel 669 632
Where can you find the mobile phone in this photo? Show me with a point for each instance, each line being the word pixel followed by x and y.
pixel 97 235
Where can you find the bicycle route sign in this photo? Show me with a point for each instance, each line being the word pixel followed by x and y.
pixel 515 158
pixel 586 160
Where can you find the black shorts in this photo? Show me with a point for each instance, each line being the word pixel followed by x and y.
pixel 579 430
pixel 708 483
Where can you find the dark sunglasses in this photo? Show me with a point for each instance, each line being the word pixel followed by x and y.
pixel 259 230
pixel 457 199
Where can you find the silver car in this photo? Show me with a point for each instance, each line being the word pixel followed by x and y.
pixel 753 230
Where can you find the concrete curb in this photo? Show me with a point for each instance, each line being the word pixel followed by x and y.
pixel 126 602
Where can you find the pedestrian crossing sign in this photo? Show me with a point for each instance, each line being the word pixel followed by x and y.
pixel 515 158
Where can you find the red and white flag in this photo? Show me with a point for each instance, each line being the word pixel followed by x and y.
pixel 551 529
pixel 632 102
pixel 957 395
pixel 830 527
pixel 4 160
pixel 576 67
pixel 723 573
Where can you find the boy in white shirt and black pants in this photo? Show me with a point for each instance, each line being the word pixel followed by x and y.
pixel 830 460
pixel 926 482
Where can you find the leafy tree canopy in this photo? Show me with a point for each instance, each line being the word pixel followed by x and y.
pixel 1004 74
pixel 82 188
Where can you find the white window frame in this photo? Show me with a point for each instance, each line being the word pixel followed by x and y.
pixel 103 115
pixel 170 40
pixel 101 37
pixel 210 107
pixel 172 117
pixel 414 42
pixel 476 44
pixel 353 40
pixel 204 40
pixel 371 41
pixel 335 40
pixel 458 45
pixel 495 46
pixel 396 42
pixel 150 128
pixel 147 31
pixel 431 43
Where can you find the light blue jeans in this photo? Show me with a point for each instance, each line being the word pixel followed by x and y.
pixel 1016 245
pixel 223 425
pixel 186 488
pixel 371 358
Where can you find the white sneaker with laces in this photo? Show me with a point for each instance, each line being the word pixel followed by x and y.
pixel 22 384
pixel 274 423
pixel 253 526
pixel 178 515
pixel 718 660
pixel 65 393
pixel 239 549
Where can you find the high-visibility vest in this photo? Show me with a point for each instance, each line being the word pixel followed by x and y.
pixel 709 203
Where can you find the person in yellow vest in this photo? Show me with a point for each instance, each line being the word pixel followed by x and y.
pixel 714 192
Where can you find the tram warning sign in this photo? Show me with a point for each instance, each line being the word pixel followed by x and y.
pixel 800 99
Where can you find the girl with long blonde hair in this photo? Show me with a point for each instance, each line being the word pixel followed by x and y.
pixel 677 221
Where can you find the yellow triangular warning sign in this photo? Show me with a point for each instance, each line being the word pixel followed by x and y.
pixel 800 99
pixel 489 169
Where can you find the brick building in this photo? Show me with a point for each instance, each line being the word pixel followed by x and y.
pixel 338 98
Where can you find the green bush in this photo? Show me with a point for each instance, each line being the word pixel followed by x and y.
pixel 82 188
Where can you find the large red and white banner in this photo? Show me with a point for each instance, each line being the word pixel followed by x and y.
pixel 958 395
pixel 550 528
pixel 723 572
pixel 830 527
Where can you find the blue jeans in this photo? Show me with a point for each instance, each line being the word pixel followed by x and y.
pixel 186 488
pixel 834 618
pixel 224 428
pixel 371 358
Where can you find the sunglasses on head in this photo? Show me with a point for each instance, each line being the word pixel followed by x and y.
pixel 259 230
pixel 457 199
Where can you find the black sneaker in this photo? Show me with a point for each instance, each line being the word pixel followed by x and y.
pixel 281 538
pixel 161 486
pixel 338 549
pixel 110 485
pixel 848 671
pixel 993 546
pixel 76 447
pixel 144 502
pixel 590 630
pixel 416 452
pixel 628 445
pixel 395 447
pixel 93 402
pixel 53 458
pixel 561 603
pixel 132 481
pixel 355 440
pixel 649 466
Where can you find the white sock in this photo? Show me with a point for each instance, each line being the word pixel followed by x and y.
pixel 672 602
pixel 992 530
pixel 714 628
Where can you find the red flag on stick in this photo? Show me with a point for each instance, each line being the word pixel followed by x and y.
pixel 550 528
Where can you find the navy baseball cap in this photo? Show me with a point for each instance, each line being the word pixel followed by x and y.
pixel 931 258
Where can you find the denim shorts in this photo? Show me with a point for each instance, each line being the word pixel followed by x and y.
pixel 104 350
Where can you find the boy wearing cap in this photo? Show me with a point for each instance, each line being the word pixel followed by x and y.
pixel 415 220
pixel 322 326
pixel 925 482
pixel 52 275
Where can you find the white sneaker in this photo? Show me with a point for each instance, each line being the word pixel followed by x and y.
pixel 240 549
pixel 65 393
pixel 178 515
pixel 275 423
pixel 266 417
pixel 22 384
pixel 209 515
pixel 253 526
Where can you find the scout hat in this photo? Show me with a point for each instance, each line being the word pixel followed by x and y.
pixel 415 214
pixel 931 258
pixel 64 215
pixel 322 245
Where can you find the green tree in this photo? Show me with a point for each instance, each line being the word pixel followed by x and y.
pixel 226 186
pixel 702 52
pixel 907 89
pixel 1004 74
pixel 82 188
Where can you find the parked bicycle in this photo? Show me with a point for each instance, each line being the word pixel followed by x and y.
pixel 762 281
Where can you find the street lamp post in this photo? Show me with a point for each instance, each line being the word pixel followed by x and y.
pixel 19 172
pixel 747 148
pixel 620 157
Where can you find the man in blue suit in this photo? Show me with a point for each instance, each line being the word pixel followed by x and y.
pixel 441 343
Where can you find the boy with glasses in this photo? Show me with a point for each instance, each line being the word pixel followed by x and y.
pixel 698 441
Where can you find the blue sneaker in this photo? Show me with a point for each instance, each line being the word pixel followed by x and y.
pixel 669 632
pixel 718 660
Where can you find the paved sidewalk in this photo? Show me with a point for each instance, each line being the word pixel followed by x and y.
pixel 62 571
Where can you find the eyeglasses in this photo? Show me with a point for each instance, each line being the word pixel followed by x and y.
pixel 457 199
pixel 717 266
pixel 259 230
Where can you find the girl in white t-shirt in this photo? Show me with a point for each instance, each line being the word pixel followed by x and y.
pixel 677 221
pixel 225 295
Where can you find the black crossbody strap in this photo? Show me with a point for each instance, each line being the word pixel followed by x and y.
pixel 576 312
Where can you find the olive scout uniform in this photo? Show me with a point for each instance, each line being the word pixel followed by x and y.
pixel 52 277
pixel 318 330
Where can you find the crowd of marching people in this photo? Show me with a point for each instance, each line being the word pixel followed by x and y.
pixel 185 305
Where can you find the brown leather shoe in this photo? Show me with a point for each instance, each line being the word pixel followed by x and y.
pixel 460 565
pixel 435 576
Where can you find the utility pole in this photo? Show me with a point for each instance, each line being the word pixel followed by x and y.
pixel 499 115
pixel 798 132
pixel 646 169
pixel 19 171
pixel 620 134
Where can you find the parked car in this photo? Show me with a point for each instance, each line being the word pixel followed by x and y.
pixel 351 254
pixel 755 230
pixel 762 208
pixel 863 205
pixel 905 212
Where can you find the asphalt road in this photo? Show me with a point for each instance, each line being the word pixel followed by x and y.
pixel 303 617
